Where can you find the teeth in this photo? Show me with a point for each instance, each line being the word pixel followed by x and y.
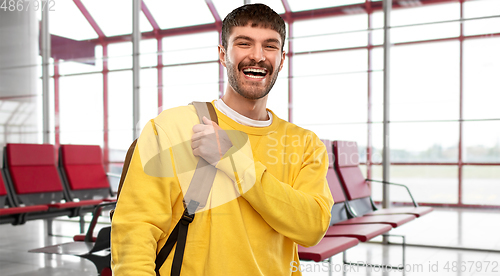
pixel 262 71
pixel 255 77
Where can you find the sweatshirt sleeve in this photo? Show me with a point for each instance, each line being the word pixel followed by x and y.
pixel 143 214
pixel 299 210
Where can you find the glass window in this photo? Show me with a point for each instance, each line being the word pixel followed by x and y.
pixel 481 71
pixel 80 66
pixel 149 53
pixel 423 142
pixel 418 15
pixel 167 15
pixel 184 84
pixel 81 109
pixel 323 64
pixel 301 5
pixel 317 34
pixel 430 184
pixel 343 132
pixel 482 26
pixel 424 81
pixel 327 100
pixel 481 185
pixel 481 8
pixel 481 141
pixel 120 114
pixel 224 7
pixel 148 96
pixel 278 96
pixel 276 5
pixel 121 21
pixel 67 20
pixel 190 48
pixel 418 33
pixel 120 55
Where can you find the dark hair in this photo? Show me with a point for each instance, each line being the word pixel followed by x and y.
pixel 259 14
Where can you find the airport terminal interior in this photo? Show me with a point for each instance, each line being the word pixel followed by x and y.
pixel 411 84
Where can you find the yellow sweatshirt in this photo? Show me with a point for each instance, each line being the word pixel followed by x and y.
pixel 274 197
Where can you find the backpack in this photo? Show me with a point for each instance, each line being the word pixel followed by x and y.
pixel 194 199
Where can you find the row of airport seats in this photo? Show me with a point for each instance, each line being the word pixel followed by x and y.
pixel 354 217
pixel 34 185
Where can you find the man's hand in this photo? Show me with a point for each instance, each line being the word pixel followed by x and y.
pixel 209 141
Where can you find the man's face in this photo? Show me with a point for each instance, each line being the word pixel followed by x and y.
pixel 253 59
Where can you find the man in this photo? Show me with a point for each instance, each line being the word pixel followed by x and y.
pixel 270 191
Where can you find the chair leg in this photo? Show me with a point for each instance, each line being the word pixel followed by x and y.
pixel 330 272
pixel 82 224
pixel 49 227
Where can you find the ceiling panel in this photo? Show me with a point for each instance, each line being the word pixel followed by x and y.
pixel 114 17
pixel 66 20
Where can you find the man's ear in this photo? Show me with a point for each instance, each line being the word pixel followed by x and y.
pixel 222 55
pixel 282 60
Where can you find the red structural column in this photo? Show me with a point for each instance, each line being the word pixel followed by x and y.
pixel 56 103
pixel 159 67
pixel 105 72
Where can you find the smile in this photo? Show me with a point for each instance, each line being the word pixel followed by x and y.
pixel 255 73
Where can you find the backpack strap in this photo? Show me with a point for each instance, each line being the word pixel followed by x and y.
pixel 194 199
pixel 126 164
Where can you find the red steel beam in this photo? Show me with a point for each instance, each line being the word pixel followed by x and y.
pixel 343 10
pixel 288 11
pixel 218 24
pixel 214 12
pixel 302 15
pixel 89 18
pixel 160 74
pixel 149 16
pixel 161 33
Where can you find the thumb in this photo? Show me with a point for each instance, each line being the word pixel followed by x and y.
pixel 206 121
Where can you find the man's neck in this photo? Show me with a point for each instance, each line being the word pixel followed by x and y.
pixel 253 109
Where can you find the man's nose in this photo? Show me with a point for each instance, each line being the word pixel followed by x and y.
pixel 257 54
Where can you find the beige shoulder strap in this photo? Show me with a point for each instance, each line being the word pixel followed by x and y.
pixel 205 174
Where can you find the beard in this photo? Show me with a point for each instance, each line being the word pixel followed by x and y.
pixel 247 89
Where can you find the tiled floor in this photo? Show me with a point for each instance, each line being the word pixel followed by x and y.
pixel 443 227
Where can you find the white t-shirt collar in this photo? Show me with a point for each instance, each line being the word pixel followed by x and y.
pixel 237 117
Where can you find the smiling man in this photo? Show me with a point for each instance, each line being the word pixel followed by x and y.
pixel 269 193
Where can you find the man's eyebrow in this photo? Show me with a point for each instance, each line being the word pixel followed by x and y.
pixel 243 37
pixel 273 40
pixel 270 40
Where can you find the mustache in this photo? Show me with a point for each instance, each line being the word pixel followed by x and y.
pixel 261 64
